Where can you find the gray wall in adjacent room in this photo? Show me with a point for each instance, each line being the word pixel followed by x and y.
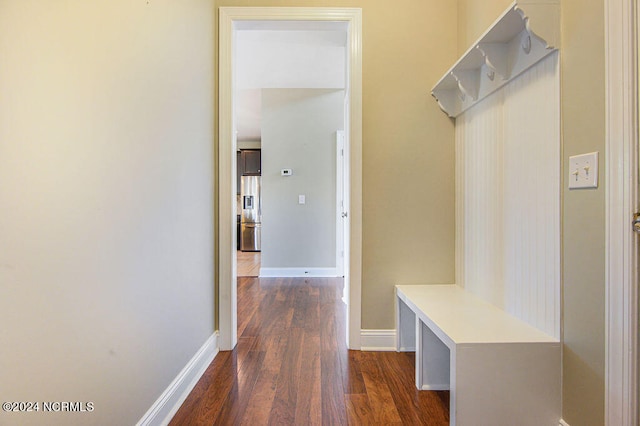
pixel 299 133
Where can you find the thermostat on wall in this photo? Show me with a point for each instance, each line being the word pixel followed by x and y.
pixel 286 172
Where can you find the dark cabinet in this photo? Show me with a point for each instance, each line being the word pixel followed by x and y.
pixel 251 162
pixel 239 168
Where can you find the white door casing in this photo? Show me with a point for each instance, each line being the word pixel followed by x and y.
pixel 227 268
pixel 621 354
pixel 341 209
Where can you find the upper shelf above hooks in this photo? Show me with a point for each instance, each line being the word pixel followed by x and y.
pixel 525 33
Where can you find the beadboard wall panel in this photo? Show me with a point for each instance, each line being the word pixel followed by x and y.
pixel 508 192
pixel 532 197
pixel 482 241
pixel 460 138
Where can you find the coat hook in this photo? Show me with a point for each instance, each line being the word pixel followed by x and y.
pixel 526 43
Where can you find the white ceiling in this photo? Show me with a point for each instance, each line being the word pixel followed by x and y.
pixel 248 104
pixel 284 54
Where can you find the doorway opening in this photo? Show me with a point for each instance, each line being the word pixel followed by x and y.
pixel 230 19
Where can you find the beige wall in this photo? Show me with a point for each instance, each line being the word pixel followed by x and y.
pixel 583 113
pixel 408 147
pixel 582 67
pixel 106 178
pixel 474 17
pixel 105 182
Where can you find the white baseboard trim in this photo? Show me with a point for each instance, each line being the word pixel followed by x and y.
pixel 563 423
pixel 298 272
pixel 443 387
pixel 378 340
pixel 166 406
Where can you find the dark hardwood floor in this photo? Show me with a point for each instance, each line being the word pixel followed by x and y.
pixel 292 367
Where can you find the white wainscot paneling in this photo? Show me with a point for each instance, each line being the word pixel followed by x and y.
pixel 482 215
pixel 532 197
pixel 508 192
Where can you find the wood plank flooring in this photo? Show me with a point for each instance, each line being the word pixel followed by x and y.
pixel 248 263
pixel 292 367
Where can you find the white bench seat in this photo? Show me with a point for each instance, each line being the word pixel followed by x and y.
pixel 499 369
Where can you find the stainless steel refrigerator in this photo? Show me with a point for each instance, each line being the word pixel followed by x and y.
pixel 251 220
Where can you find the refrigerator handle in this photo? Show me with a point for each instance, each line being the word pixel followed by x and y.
pixel 259 207
pixel 247 202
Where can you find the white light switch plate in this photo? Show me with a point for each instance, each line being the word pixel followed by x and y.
pixel 583 171
pixel 301 199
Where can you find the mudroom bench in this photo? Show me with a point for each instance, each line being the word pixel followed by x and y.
pixel 499 369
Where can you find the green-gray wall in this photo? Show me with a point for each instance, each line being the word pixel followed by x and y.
pixel 299 133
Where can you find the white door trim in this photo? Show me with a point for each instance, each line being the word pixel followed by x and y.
pixel 621 403
pixel 340 205
pixel 227 268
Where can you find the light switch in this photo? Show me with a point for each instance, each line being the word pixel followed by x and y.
pixel 583 171
pixel 301 199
